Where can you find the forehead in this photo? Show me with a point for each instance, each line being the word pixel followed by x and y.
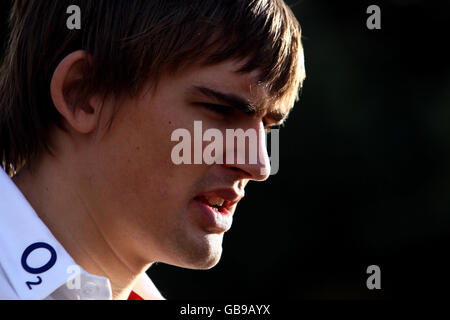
pixel 225 78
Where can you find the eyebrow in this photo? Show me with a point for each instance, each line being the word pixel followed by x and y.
pixel 230 99
pixel 239 103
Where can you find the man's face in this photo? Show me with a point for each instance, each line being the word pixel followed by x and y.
pixel 146 205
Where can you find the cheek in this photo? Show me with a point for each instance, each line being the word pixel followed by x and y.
pixel 141 157
pixel 149 171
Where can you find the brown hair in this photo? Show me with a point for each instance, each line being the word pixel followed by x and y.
pixel 131 41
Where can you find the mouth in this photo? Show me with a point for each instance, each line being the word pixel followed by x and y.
pixel 217 204
pixel 215 211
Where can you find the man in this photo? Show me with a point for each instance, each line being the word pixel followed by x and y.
pixel 93 197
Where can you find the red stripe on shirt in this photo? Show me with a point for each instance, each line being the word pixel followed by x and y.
pixel 134 296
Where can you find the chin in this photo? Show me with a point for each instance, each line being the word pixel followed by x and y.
pixel 200 255
pixel 207 263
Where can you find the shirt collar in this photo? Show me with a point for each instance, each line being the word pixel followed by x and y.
pixel 37 265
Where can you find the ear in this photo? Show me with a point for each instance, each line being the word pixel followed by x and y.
pixel 64 87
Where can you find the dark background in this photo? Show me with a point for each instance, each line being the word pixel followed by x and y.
pixel 364 172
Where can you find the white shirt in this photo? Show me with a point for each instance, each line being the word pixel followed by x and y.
pixel 35 266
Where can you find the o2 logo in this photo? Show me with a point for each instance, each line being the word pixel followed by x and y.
pixel 38 270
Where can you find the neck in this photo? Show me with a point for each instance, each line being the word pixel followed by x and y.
pixel 49 190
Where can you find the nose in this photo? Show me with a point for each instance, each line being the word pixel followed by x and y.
pixel 247 151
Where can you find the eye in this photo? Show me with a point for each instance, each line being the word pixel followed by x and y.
pixel 223 110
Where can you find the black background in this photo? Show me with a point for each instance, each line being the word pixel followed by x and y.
pixel 364 172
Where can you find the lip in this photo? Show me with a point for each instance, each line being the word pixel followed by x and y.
pixel 230 196
pixel 212 220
